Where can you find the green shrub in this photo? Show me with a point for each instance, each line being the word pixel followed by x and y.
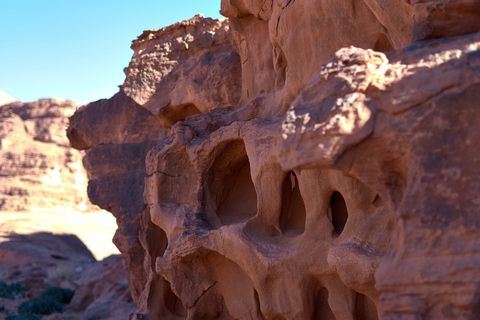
pixel 2 308
pixel 58 294
pixel 40 306
pixel 51 301
pixel 12 316
pixel 12 291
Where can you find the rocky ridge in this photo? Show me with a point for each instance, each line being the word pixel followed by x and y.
pixel 38 169
pixel 339 183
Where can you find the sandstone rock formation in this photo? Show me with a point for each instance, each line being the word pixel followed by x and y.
pixel 103 291
pixel 34 258
pixel 405 123
pixel 38 170
pixel 131 131
pixel 184 69
pixel 119 132
pixel 282 43
pixel 444 18
pixel 340 183
pixel 42 179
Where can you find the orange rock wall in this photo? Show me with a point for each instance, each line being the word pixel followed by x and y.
pixel 303 160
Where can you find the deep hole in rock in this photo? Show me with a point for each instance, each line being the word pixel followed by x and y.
pixel 232 294
pixel 365 308
pixel 338 212
pixel 172 302
pixel 293 207
pixel 170 115
pixel 235 195
pixel 322 308
pixel 383 44
pixel 239 202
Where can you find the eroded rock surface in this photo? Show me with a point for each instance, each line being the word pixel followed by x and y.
pixel 297 244
pixel 116 167
pixel 168 76
pixel 444 18
pixel 339 183
pixel 405 125
pixel 103 291
pixel 39 171
pixel 184 69
pixel 282 43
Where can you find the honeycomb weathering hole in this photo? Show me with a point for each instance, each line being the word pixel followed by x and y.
pixel 365 308
pixel 293 208
pixel 236 198
pixel 170 115
pixel 383 44
pixel 322 309
pixel 239 202
pixel 172 302
pixel 338 212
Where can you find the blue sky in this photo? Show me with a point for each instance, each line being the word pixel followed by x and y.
pixel 75 49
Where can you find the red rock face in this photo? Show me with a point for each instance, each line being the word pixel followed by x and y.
pixel 259 241
pixel 336 179
pixel 117 134
pixel 194 67
pixel 445 18
pixel 38 170
pixel 184 69
pixel 282 43
pixel 403 123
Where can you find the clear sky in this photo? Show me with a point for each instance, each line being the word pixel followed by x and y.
pixel 77 49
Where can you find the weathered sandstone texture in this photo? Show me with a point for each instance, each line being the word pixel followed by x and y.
pixel 184 69
pixel 283 42
pixel 187 68
pixel 444 18
pixel 39 171
pixel 405 123
pixel 337 179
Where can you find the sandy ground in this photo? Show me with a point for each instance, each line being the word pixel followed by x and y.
pixel 96 230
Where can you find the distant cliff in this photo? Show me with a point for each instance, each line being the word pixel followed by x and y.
pixel 39 171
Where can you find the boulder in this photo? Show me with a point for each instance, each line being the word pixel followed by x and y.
pixel 103 291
